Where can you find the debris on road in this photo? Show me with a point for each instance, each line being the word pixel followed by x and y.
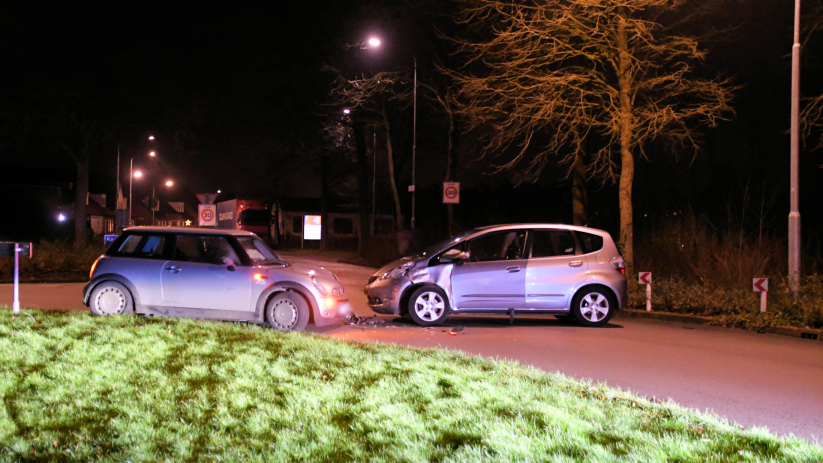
pixel 456 330
pixel 363 321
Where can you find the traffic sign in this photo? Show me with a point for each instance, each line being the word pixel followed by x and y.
pixel 206 198
pixel 206 215
pixel 17 250
pixel 451 192
pixel 760 285
pixel 7 249
pixel 645 278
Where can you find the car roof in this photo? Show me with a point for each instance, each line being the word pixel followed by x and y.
pixel 190 230
pixel 509 226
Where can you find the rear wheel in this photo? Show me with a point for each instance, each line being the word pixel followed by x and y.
pixel 428 306
pixel 594 306
pixel 111 298
pixel 287 311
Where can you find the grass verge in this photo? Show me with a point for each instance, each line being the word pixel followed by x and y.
pixel 79 388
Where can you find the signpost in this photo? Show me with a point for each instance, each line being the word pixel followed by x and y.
pixel 206 215
pixel 451 192
pixel 761 285
pixel 312 228
pixel 645 278
pixel 8 249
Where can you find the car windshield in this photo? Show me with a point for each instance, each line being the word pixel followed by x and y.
pixel 447 243
pixel 259 252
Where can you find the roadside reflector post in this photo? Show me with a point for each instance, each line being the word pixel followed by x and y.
pixel 761 285
pixel 645 278
pixel 15 306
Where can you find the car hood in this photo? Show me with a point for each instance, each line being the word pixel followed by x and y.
pixel 309 270
pixel 397 263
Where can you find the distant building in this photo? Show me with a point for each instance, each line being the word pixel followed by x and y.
pixel 342 223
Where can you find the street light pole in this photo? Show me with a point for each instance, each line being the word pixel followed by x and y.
pixel 414 144
pixel 794 214
pixel 374 181
pixel 131 179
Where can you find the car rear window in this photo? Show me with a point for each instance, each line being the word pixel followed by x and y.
pixel 590 243
pixel 550 243
pixel 142 246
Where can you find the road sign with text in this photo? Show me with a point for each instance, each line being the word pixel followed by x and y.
pixel 451 192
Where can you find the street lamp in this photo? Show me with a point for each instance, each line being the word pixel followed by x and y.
pixel 374 42
pixel 169 183
pixel 794 214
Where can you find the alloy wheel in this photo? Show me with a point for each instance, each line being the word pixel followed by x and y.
pixel 594 307
pixel 429 306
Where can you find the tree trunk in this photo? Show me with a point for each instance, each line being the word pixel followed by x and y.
pixel 362 179
pixel 626 139
pixel 579 193
pixel 390 156
pixel 82 192
pixel 324 200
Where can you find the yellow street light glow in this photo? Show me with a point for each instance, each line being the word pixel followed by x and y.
pixel 374 42
pixel 152 154
pixel 138 174
pixel 169 183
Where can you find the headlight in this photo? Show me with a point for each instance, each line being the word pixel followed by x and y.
pixel 318 285
pixel 397 272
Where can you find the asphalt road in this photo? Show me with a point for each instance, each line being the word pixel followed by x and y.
pixel 752 379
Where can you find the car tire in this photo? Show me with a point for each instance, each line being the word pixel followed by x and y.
pixel 594 306
pixel 287 311
pixel 111 298
pixel 428 305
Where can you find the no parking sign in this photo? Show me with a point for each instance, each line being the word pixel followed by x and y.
pixel 207 215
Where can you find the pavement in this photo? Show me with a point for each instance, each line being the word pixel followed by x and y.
pixel 752 379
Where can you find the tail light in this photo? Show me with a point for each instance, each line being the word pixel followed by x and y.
pixel 619 265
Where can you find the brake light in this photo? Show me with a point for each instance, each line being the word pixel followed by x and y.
pixel 259 277
pixel 619 265
pixel 623 271
pixel 93 266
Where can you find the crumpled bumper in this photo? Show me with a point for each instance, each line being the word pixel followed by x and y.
pixel 384 295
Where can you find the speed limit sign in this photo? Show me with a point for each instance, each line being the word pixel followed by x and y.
pixel 207 216
pixel 451 192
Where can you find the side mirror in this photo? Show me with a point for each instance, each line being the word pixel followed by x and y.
pixel 228 263
pixel 455 255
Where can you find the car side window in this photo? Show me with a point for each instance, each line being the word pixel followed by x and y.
pixel 204 249
pixel 498 246
pixel 590 243
pixel 551 243
pixel 142 246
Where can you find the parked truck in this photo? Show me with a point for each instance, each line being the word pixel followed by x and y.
pixel 245 214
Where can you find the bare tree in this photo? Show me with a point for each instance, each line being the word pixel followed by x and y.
pixel 564 70
pixel 811 118
pixel 378 98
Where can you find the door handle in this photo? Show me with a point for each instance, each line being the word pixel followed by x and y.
pixel 513 269
pixel 576 263
pixel 173 269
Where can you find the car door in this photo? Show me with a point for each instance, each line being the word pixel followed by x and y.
pixel 140 260
pixel 494 277
pixel 555 269
pixel 198 278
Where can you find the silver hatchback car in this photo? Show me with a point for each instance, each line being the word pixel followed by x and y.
pixel 567 271
pixel 211 274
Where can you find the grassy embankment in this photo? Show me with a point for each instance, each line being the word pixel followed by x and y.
pixel 79 388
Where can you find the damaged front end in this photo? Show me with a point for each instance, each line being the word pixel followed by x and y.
pixel 389 284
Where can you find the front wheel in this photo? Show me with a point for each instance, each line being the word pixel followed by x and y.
pixel 287 311
pixel 428 306
pixel 111 298
pixel 593 306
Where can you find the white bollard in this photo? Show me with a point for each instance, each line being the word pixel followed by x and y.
pixel 761 285
pixel 15 306
pixel 645 278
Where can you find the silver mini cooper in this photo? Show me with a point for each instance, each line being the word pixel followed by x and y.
pixel 571 272
pixel 211 274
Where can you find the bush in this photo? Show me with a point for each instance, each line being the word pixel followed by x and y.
pixel 50 257
pixel 700 269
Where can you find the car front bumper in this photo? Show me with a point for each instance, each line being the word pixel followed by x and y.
pixel 384 295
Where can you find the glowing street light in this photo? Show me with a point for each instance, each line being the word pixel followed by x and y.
pixel 61 217
pixel 374 42
pixel 152 154
pixel 346 111
pixel 169 183
pixel 151 137
pixel 138 174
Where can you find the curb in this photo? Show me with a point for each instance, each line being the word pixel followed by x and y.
pixel 803 333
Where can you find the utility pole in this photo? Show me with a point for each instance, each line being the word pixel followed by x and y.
pixel 794 214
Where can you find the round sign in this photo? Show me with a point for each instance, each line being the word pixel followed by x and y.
pixel 207 215
pixel 451 192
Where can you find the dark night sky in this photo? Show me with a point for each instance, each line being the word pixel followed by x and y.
pixel 224 88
